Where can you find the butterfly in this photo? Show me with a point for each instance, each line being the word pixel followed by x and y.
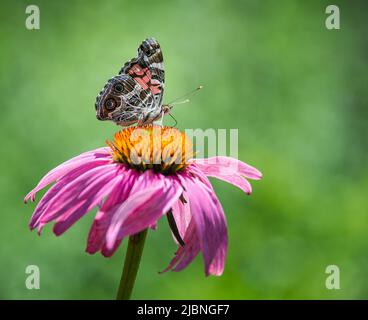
pixel 135 94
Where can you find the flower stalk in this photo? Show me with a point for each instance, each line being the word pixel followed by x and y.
pixel 131 265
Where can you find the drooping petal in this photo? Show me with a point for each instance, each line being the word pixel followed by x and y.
pixel 95 157
pixel 94 195
pixel 108 252
pixel 210 224
pixel 151 197
pixel 220 166
pixel 227 169
pixel 57 187
pixel 182 216
pixel 232 178
pixel 121 191
pixel 78 197
pixel 188 252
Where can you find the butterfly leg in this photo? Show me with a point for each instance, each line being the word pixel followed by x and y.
pixel 150 117
pixel 144 118
pixel 141 120
pixel 159 119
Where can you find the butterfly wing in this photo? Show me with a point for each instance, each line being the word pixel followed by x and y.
pixel 148 68
pixel 135 95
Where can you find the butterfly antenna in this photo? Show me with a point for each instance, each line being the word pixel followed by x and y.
pixel 179 102
pixel 184 96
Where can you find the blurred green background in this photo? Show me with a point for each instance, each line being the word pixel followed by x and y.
pixel 296 91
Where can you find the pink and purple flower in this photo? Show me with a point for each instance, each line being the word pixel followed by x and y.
pixel 133 192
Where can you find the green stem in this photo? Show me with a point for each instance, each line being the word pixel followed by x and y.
pixel 131 265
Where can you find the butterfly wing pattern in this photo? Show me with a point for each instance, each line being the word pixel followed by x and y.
pixel 135 94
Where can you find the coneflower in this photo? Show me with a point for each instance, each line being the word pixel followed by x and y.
pixel 144 173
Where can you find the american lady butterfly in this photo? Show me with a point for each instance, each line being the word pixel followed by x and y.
pixel 135 94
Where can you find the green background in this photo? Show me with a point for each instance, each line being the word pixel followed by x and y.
pixel 296 91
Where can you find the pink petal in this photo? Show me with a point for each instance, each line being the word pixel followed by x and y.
pixel 93 197
pixel 97 234
pixel 151 197
pixel 97 157
pixel 72 201
pixel 182 216
pixel 187 253
pixel 210 225
pixel 108 252
pixel 59 185
pixel 221 166
pixel 233 179
pixel 232 172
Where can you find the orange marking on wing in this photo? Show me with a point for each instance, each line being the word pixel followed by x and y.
pixel 141 83
pixel 136 70
pixel 145 82
pixel 155 89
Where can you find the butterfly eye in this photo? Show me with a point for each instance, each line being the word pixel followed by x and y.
pixel 110 104
pixel 119 87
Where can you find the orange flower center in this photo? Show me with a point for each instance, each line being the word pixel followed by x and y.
pixel 162 149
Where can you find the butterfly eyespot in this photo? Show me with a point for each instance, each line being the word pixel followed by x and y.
pixel 110 104
pixel 119 87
